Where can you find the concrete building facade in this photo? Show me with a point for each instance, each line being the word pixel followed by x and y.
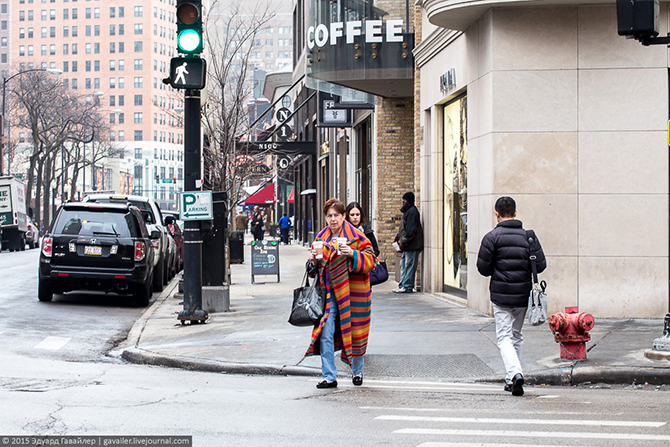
pixel 544 102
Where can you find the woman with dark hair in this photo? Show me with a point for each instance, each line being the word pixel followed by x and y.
pixel 342 262
pixel 356 217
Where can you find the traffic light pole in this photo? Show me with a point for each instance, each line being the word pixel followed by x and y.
pixel 192 237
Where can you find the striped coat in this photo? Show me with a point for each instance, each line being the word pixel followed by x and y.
pixel 349 279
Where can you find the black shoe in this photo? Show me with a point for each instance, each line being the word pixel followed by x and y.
pixel 517 385
pixel 357 380
pixel 326 384
pixel 508 387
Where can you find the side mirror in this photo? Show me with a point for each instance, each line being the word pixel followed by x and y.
pixel 155 234
pixel 169 220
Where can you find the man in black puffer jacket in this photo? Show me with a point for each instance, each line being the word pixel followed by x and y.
pixel 505 256
pixel 410 240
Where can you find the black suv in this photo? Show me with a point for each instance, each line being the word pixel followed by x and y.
pixel 95 246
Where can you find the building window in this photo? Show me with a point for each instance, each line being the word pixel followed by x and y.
pixel 138 64
pixel 122 135
pixel 138 153
pixel 96 65
pixel 112 12
pixel 455 202
pixel 138 46
pixel 112 47
pixel 122 64
pixel 138 118
pixel 138 135
pixel 122 84
pixel 138 100
pixel 138 82
pixel 112 82
pixel 138 11
pixel 112 117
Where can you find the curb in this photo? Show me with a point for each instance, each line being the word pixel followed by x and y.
pixel 140 356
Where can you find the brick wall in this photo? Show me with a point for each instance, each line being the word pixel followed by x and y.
pixel 396 165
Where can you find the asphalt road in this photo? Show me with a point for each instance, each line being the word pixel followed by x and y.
pixel 76 326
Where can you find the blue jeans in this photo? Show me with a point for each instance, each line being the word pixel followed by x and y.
pixel 327 343
pixel 408 264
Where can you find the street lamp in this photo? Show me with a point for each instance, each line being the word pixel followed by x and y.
pixel 53 71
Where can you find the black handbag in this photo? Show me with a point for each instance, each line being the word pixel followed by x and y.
pixel 379 274
pixel 309 304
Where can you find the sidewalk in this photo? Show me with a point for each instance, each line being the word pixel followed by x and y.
pixel 412 336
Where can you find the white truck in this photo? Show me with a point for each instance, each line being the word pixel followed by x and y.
pixel 13 220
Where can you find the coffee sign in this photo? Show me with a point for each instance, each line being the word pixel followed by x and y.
pixel 322 34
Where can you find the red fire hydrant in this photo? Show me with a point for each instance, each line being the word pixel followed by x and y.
pixel 570 330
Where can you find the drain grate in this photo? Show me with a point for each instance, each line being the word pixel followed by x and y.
pixel 424 366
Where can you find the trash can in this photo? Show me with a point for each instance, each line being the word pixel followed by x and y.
pixel 236 247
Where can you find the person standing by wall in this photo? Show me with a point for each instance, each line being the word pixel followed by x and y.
pixel 504 255
pixel 410 240
pixel 284 225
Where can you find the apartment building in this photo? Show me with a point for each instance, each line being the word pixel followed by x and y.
pixel 119 51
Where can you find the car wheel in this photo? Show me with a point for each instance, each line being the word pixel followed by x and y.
pixel 158 276
pixel 143 293
pixel 44 292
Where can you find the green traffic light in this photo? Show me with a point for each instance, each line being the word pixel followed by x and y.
pixel 188 40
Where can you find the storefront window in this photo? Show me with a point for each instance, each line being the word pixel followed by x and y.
pixel 455 196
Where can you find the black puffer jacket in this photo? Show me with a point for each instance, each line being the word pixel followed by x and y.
pixel 370 234
pixel 410 235
pixel 505 256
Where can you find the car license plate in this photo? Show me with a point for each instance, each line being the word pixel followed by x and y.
pixel 92 250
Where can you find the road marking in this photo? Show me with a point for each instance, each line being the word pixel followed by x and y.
pixel 481 444
pixel 431 386
pixel 532 434
pixel 52 343
pixel 394 417
pixel 452 410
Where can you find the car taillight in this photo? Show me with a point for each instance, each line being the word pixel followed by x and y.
pixel 47 244
pixel 140 251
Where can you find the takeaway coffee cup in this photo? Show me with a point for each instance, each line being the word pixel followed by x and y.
pixel 318 246
pixel 340 242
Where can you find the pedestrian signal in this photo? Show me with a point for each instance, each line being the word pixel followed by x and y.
pixel 187 72
pixel 189 27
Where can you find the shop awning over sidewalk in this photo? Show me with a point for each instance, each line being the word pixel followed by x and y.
pixel 291 197
pixel 265 196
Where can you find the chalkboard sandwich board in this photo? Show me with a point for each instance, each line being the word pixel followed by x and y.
pixel 264 259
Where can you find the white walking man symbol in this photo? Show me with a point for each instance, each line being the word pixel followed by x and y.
pixel 181 71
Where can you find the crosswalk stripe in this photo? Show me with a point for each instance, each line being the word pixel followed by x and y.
pixel 531 434
pixel 394 417
pixel 52 343
pixel 452 410
pixel 482 444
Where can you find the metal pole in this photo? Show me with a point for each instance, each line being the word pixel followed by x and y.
pixel 2 127
pixel 192 239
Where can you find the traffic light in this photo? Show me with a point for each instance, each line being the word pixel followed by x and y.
pixel 189 27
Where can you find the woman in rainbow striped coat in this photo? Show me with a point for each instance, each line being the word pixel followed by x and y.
pixel 345 273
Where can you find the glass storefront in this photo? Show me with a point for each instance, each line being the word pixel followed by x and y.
pixel 455 206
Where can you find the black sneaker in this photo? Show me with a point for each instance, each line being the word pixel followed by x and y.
pixel 326 384
pixel 357 380
pixel 517 385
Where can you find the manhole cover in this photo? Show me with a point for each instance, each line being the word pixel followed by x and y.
pixel 433 366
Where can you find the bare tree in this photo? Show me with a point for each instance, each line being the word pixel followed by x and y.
pixel 231 39
pixel 53 118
